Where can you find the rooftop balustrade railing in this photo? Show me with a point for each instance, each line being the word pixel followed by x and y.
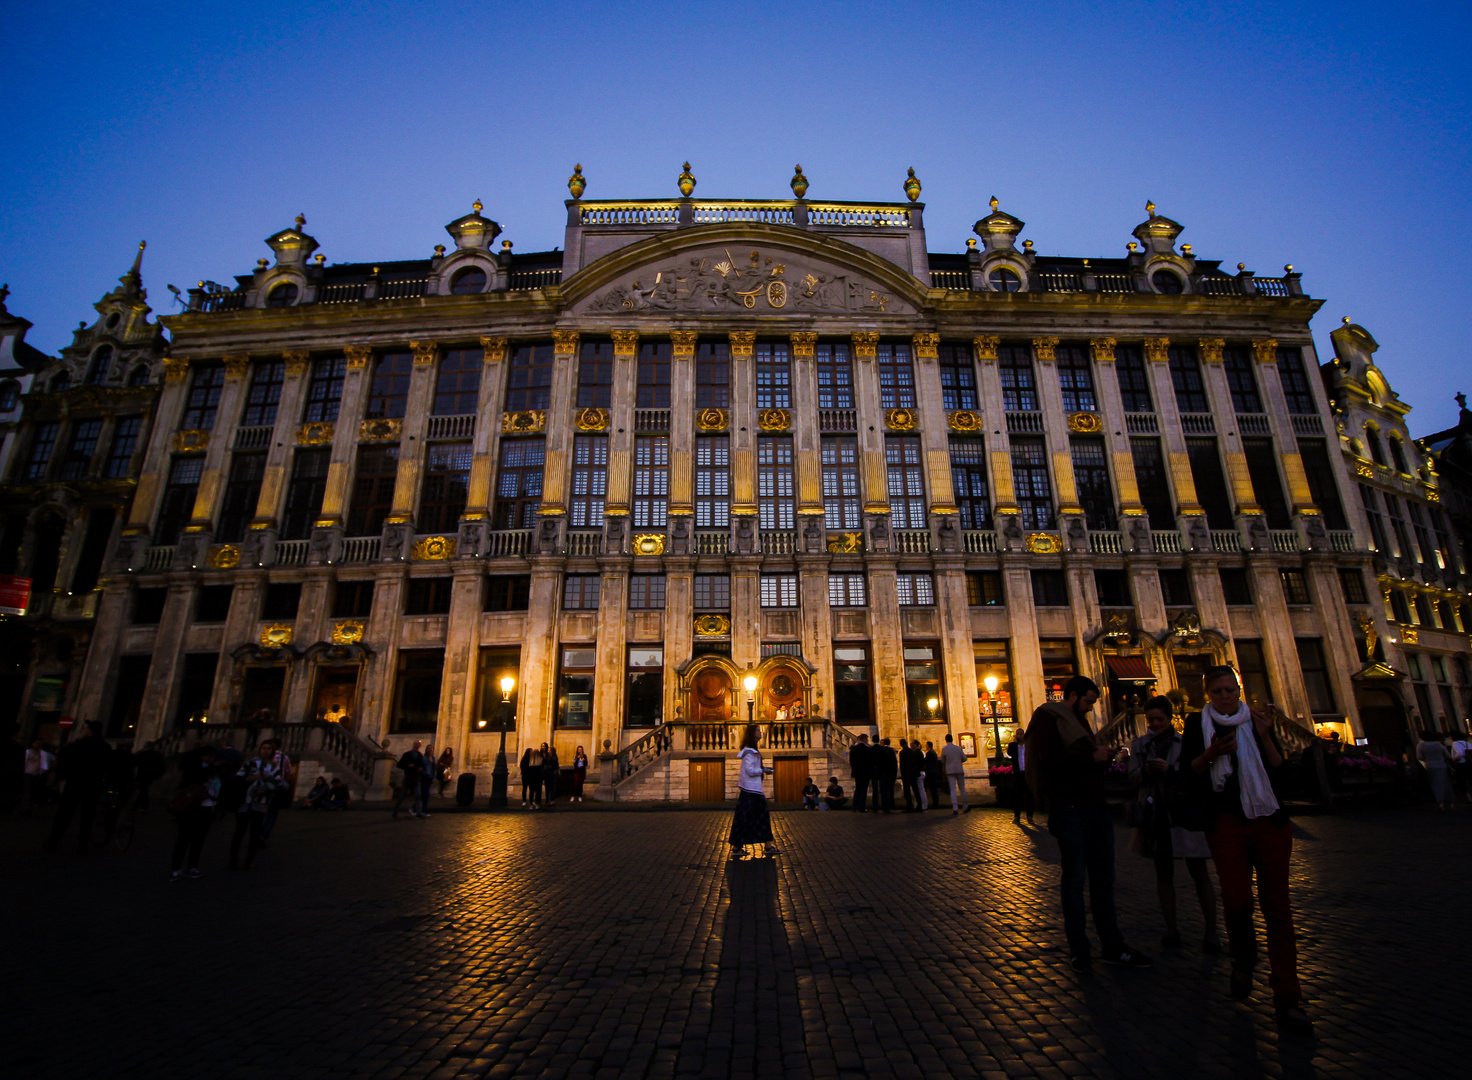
pixel 253 438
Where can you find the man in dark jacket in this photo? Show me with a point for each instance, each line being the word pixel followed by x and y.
pixel 1070 764
pixel 912 760
pixel 861 764
pixel 81 768
pixel 886 768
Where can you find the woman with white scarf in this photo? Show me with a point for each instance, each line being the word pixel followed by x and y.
pixel 1233 756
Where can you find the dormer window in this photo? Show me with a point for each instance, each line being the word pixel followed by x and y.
pixel 1167 283
pixel 101 361
pixel 113 320
pixel 283 295
pixel 1004 280
pixel 60 383
pixel 1398 455
pixel 139 377
pixel 1377 452
pixel 470 280
pixel 9 395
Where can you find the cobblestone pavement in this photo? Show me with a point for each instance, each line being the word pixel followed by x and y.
pixel 605 944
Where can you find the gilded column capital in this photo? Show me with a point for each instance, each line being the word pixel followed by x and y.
pixel 1265 350
pixel 866 345
pixel 804 345
pixel 1046 348
pixel 625 343
pixel 682 344
pixel 357 356
pixel 1103 349
pixel 424 352
pixel 1211 349
pixel 564 342
pixel 176 370
pixel 236 365
pixel 985 346
pixel 296 361
pixel 493 349
pixel 1157 350
pixel 742 342
pixel 927 346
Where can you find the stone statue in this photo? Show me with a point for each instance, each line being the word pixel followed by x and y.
pixel 745 535
pixel 680 537
pixel 470 538
pixel 1077 541
pixel 250 548
pixel 879 535
pixel 1318 536
pixel 547 537
pixel 1140 534
pixel 392 546
pixel 1372 636
pixel 950 536
pixel 1257 533
pixel 1011 532
pixel 1200 535
pixel 319 551
pixel 812 535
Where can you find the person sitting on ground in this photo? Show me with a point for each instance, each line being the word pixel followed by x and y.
pixel 834 796
pixel 338 797
pixel 318 793
pixel 810 795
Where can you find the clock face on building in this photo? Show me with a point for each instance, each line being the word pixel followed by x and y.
pixel 782 687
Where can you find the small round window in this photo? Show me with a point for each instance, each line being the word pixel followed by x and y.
pixel 1004 280
pixel 470 280
pixel 1168 283
pixel 283 295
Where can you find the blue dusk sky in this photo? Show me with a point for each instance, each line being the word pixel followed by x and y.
pixel 1330 136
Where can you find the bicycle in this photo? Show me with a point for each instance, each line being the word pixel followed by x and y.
pixel 117 819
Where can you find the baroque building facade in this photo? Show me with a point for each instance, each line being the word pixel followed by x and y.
pixel 906 492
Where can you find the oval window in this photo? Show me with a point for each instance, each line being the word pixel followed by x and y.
pixel 1005 281
pixel 113 320
pixel 1168 283
pixel 283 295
pixel 470 280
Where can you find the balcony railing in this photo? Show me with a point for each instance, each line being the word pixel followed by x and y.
pixel 1341 540
pixel 584 542
pixel 159 558
pixel 980 542
pixel 1284 540
pixel 1168 541
pixel 360 549
pixel 1226 540
pixel 1115 283
pixel 1198 423
pixel 778 541
pixel 645 213
pixel 1024 423
pixel 838 420
pixel 651 419
pixel 950 279
pixel 1106 543
pixel 766 213
pixel 503 542
pixel 1269 286
pixel 912 541
pixel 231 301
pixel 831 214
pixel 1253 424
pixel 340 294
pixel 712 541
pixel 1141 423
pixel 1308 425
pixel 1054 282
pixel 541 277
pixel 451 427
pixel 291 552
pixel 1219 286
pixel 253 438
pixel 401 289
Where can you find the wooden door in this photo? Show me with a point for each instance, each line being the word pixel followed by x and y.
pixel 707 780
pixel 711 697
pixel 790 776
pixel 784 689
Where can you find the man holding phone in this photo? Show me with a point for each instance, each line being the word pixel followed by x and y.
pixel 1070 764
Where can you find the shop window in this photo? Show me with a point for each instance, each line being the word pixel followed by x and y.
pixel 852 700
pixel 925 702
pixel 417 690
pixel 352 599
pixel 644 693
pixel 335 695
pixel 507 592
pixel 846 590
pixel 646 592
pixel 1049 588
pixel 915 590
pixel 984 589
pixel 575 686
pixel 1059 665
pixel 127 697
pixel 497 664
pixel 580 592
pixel 195 689
pixel 212 603
pixel 994 694
pixel 282 600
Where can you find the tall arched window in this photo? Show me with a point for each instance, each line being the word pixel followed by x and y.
pixel 1398 455
pixel 1377 452
pixel 283 295
pixel 9 395
pixel 101 361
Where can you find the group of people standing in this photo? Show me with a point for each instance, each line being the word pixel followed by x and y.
pixel 215 782
pixel 541 775
pixel 421 769
pixel 921 772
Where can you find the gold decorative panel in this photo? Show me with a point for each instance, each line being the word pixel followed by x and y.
pixel 712 420
pixel 237 365
pixel 223 557
pixel 380 430
pixel 625 342
pixel 1157 350
pixel 591 420
pixel 1103 350
pixel 846 543
pixel 966 420
pixel 803 345
pixel 276 635
pixel 357 356
pixel 347 632
pixel 1085 422
pixel 648 543
pixel 1045 347
pixel 564 342
pixel 1265 351
pixel 493 349
pixel 682 344
pixel 1211 349
pixel 742 342
pixel 424 352
pixel 986 346
pixel 296 362
pixel 317 433
pixel 927 346
pixel 900 419
pixel 433 548
pixel 185 441
pixel 1041 543
pixel 773 420
pixel 1410 635
pixel 524 423
pixel 866 345
pixel 712 626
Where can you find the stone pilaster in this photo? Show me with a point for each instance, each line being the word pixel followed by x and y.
pixel 217 454
pixel 283 440
pixel 1022 627
pixel 1055 428
pixel 962 710
pixel 1157 366
pixel 886 640
pixel 537 698
pixel 162 692
pixel 1116 430
pixel 356 379
pixel 155 470
pixel 416 423
pixel 805 434
pixel 458 690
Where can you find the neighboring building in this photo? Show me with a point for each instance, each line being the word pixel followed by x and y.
pixel 908 492
pixel 66 487
pixel 1450 454
pixel 19 363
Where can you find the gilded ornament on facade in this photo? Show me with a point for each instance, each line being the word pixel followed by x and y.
pixel 1045 347
pixel 1103 350
pixel 1211 349
pixel 712 420
pixel 1085 422
pixel 591 420
pixel 625 342
pixel 773 420
pixel 1365 469
pixel 347 632
pixel 742 342
pixel 381 430
pixel 912 186
pixel 846 543
pixel 276 635
pixel 900 419
pixel 648 543
pixel 357 356
pixel 223 557
pixel 866 345
pixel 686 181
pixel 493 349
pixel 776 294
pixel 433 548
pixel 985 346
pixel 576 184
pixel 524 423
pixel 237 365
pixel 804 345
pixel 1042 543
pixel 317 433
pixel 965 420
pixel 1157 350
pixel 186 441
pixel 798 183
pixel 1410 635
pixel 682 344
pixel 1265 351
pixel 712 626
pixel 564 342
pixel 927 346
pixel 1432 495
pixel 424 353
pixel 296 361
pixel 175 370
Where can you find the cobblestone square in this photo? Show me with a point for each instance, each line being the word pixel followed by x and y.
pixel 598 943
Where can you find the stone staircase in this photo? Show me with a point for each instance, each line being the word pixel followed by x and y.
pixel 316 749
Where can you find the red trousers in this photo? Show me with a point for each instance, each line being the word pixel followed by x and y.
pixel 1239 847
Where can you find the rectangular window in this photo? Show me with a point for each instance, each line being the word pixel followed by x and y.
pixel 282 600
pixel 127 700
pixel 519 483
pixel 896 377
pixel 1185 376
pixel 842 498
pixel 529 378
pixel 1076 378
pixel 712 592
pixel 495 665
pixel 993 693
pixel 1295 586
pixel 94 549
pixel 1398 606
pixel 1030 482
pixel 1113 587
pixel 984 589
pixel 1321 486
pixel 925 702
pixel 1175 588
pixel 1315 675
pixel 595 375
pixel 915 590
pixel 653 391
pixel 446 487
pixel 1059 665
pixel 1091 476
pixel 644 693
pixel 852 701
pixel 1372 513
pixel 779 590
pixel 304 492
pixel 242 493
pixel 1353 584
pixel 712 482
pixel 124 442
pixel 457 386
pixel 712 375
pixel 589 481
pixel 1397 521
pixel 508 592
pixel 148 606
pixel 905 472
pixel 79 454
pixel 651 481
pixel 846 590
pixel 264 396
pixel 1153 481
pixel 1296 389
pixel 324 391
pixel 177 504
pixel 212 603
pixel 773 376
pixel 646 592
pixel 1049 588
pixel 417 690
pixel 775 486
pixel 42 447
pixel 1262 469
pixel 968 479
pixel 1134 379
pixel 196 688
pixel 203 400
pixel 957 378
pixel 388 393
pixel 1241 380
pixel 1252 665
pixel 835 377
pixel 1019 387
pixel 580 592
pixel 352 599
pixel 428 596
pixel 1211 482
pixel 373 489
pixel 575 686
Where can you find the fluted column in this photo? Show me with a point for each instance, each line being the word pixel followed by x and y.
pixel 1162 389
pixel 283 438
pixel 416 423
pixel 1219 400
pixel 934 426
pixel 1055 426
pixel 1285 439
pixel 345 436
pixel 871 435
pixel 559 425
pixel 621 425
pixel 1115 428
pixel 994 417
pixel 164 423
pixel 487 429
pixel 743 421
pixel 682 448
pixel 804 426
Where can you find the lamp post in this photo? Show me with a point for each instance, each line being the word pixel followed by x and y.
pixel 750 683
pixel 990 682
pixel 499 773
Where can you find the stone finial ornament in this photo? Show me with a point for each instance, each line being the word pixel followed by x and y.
pixel 799 182
pixel 575 183
pixel 912 187
pixel 687 181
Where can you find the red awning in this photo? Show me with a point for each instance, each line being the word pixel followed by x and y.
pixel 1130 668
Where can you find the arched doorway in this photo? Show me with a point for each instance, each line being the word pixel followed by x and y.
pixel 782 695
pixel 710 696
pixel 1383 718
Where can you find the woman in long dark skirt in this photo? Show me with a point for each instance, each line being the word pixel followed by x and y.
pixel 752 823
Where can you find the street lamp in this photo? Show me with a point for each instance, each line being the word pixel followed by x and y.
pixel 932 704
pixel 750 683
pixel 991 683
pixel 499 774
